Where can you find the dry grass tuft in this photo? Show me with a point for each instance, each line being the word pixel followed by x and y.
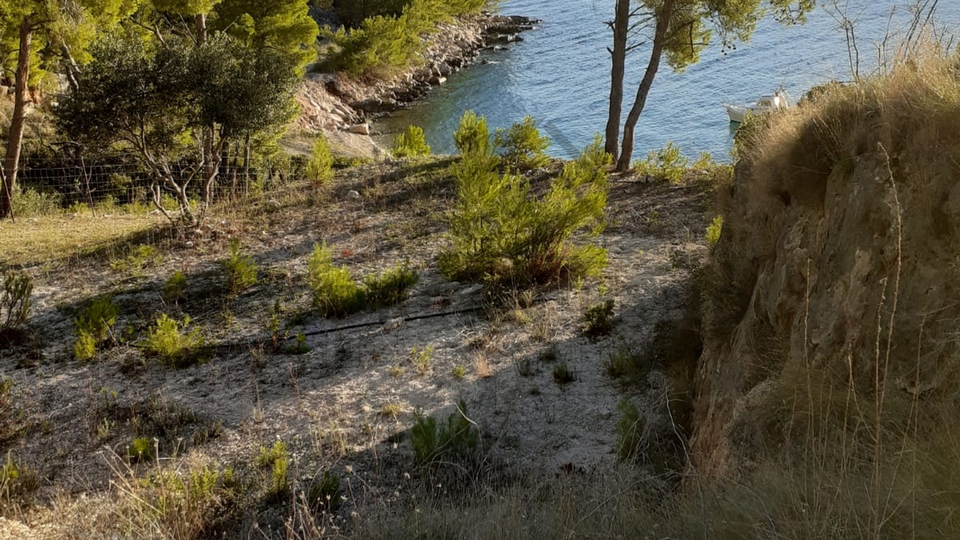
pixel 40 240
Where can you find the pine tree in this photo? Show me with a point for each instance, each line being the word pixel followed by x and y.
pixel 29 29
pixel 677 30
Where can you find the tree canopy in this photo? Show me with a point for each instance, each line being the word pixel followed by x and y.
pixel 35 35
pixel 183 78
pixel 678 30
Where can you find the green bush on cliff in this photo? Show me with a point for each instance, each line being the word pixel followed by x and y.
pixel 388 38
pixel 411 143
pixel 380 45
pixel 500 232
pixel 523 147
pixel 352 14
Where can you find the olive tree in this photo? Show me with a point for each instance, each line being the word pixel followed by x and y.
pixel 176 106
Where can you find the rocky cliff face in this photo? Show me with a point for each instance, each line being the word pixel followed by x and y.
pixel 838 270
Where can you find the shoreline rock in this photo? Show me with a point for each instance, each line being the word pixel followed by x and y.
pixel 331 102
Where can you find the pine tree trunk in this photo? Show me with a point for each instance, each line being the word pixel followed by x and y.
pixel 621 23
pixel 211 156
pixel 659 39
pixel 11 162
pixel 246 164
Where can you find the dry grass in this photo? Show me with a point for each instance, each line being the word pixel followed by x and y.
pixel 913 112
pixel 481 365
pixel 39 240
pixel 852 436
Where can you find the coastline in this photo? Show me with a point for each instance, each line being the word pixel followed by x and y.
pixel 342 108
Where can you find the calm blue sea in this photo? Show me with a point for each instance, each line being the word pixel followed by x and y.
pixel 560 75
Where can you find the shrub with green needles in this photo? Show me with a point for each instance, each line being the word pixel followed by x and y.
pixel 175 287
pixel 664 164
pixel 472 137
pixel 411 143
pixel 500 232
pixel 169 340
pixel 240 270
pixel 93 325
pixel 277 459
pixel 320 166
pixel 389 288
pixel 336 294
pixel 15 299
pixel 714 230
pixel 456 440
pixel 523 146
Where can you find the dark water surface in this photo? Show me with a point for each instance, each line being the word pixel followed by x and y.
pixel 560 75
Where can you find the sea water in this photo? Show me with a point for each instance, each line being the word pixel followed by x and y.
pixel 560 75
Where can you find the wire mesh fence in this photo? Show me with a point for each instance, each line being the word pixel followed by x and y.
pixel 50 187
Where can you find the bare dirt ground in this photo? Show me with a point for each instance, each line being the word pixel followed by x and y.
pixel 347 404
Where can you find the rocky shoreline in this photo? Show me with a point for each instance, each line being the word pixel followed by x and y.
pixel 336 105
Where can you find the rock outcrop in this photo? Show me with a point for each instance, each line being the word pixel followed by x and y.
pixel 838 269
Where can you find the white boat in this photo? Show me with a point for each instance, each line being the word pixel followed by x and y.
pixel 779 100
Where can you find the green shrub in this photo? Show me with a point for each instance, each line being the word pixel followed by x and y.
pixel 345 162
pixel 141 449
pixel 563 375
pixel 411 143
pixel 472 137
pixel 18 484
pixel 664 164
pixel 334 292
pixel 85 348
pixel 382 45
pixel 175 287
pixel 456 440
pixel 499 232
pixel 704 161
pixel 93 325
pixel 266 456
pixel 353 13
pixel 299 346
pixel 324 492
pixel 179 349
pixel 714 230
pixel 523 147
pixel 32 203
pixel 15 299
pixel 421 358
pixel 120 184
pixel 386 35
pixel 620 362
pixel 598 319
pixel 136 259
pixel 320 167
pixel 277 459
pixel 240 270
pixel 390 287
pixel 184 502
pixel 629 429
pixel 716 174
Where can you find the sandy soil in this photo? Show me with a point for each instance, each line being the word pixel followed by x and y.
pixel 328 405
